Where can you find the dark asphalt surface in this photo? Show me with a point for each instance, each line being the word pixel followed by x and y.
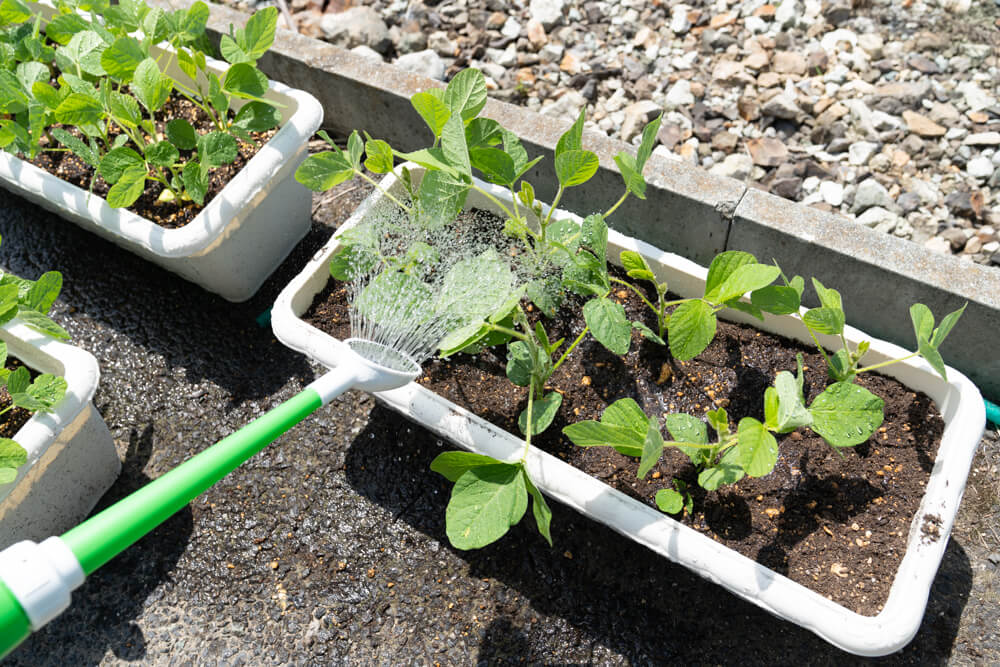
pixel 329 547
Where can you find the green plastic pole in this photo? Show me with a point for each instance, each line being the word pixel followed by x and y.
pixel 102 537
pixel 993 412
pixel 14 624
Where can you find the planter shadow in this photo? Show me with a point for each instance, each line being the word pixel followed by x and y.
pixel 114 597
pixel 615 594
pixel 210 338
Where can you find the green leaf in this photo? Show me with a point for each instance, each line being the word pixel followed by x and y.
pixel 162 154
pixel 727 471
pixel 12 455
pixel 719 420
pixel 217 148
pixel 590 433
pixel 792 412
pixel 395 296
pixel 83 51
pixel 648 333
pixel 79 109
pixel 442 197
pixel 669 501
pixel 576 167
pixel 117 161
pixel 946 325
pixel 635 266
pixel 129 187
pixel 825 320
pixel 379 160
pixel 13 12
pixel 433 110
pixel 758 450
pixel 634 181
pixel 647 143
pixel 933 357
pixel 195 182
pixel 495 165
pixel 355 149
pixel 586 275
pixel 12 98
pixel 453 146
pixel 484 505
pixel 231 51
pixel 18 380
pixel 539 508
pixel 257 117
pixel 475 287
pixel 47 95
pixel 75 144
pixel 609 324
pixel 187 64
pixel 594 236
pixel 519 363
pixel 572 139
pixel 42 323
pixel 193 21
pixel 431 158
pixel 258 35
pixel 245 80
pixel 626 413
pixel 846 414
pixel 352 261
pixel 828 298
pixel 44 291
pixel 150 86
pixel 776 299
pixel 218 99
pixel 543 411
pixel 30 73
pixel 43 393
pixel 322 171
pixel 923 321
pixel 62 27
pixel 690 329
pixel 723 266
pixel 743 279
pixel 453 465
pixel 181 134
pixel 466 94
pixel 121 58
pixel 125 109
pixel 652 449
pixel 685 428
pixel 483 133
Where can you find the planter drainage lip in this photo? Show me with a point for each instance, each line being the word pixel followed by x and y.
pixel 48 355
pixel 958 399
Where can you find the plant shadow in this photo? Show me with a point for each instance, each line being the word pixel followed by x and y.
pixel 614 593
pixel 113 597
pixel 143 306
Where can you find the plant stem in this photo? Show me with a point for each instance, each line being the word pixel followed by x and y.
pixel 886 363
pixel 383 191
pixel 636 290
pixel 570 348
pixel 527 431
pixel 513 333
pixel 617 204
pixel 495 201
pixel 552 208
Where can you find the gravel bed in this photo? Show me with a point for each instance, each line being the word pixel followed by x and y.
pixel 888 114
pixel 329 547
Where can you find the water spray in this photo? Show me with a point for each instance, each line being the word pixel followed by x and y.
pixel 393 332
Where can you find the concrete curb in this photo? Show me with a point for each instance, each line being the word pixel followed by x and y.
pixel 688 211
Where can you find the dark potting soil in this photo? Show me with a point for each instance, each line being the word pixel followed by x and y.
pixel 12 420
pixel 837 524
pixel 172 214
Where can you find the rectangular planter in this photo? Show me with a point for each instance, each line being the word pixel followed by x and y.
pixel 71 456
pixel 238 239
pixel 958 400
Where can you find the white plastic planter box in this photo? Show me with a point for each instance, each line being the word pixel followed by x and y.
pixel 958 400
pixel 71 457
pixel 238 239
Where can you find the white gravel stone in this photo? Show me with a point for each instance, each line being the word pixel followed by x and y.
pixel 511 28
pixel 979 167
pixel 679 95
pixel 983 139
pixel 679 23
pixel 879 218
pixel 367 52
pixel 737 165
pixel 938 245
pixel 832 192
pixel 871 193
pixel 860 152
pixel 548 12
pixel 976 98
pixel 425 63
pixel 835 39
pixel 787 14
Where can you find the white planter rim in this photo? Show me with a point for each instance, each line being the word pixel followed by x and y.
pixel 958 400
pixel 47 355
